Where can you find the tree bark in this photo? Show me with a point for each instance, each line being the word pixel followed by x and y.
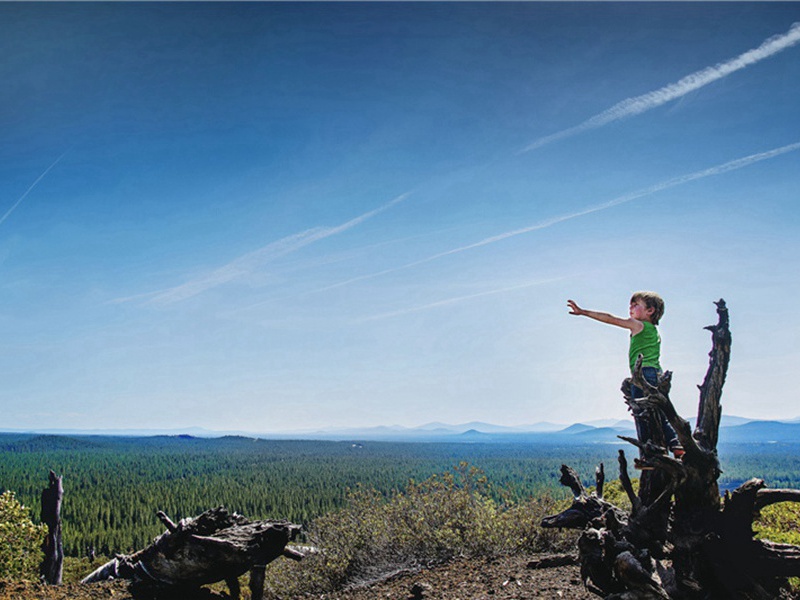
pixel 52 565
pixel 214 546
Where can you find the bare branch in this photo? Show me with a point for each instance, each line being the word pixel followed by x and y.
pixel 571 479
pixel 625 480
pixel 293 554
pixel 600 478
pixel 709 411
pixel 168 523
pixel 765 497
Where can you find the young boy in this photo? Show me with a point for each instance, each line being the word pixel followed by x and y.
pixel 646 310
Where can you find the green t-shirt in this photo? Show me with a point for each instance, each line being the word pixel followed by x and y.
pixel 647 343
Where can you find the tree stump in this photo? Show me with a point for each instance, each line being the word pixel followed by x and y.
pixel 680 540
pixel 214 546
pixel 51 567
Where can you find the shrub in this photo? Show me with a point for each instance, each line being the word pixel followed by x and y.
pixel 613 493
pixel 20 540
pixel 780 523
pixel 446 516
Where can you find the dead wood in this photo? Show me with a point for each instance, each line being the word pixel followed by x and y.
pixel 680 540
pixel 214 546
pixel 585 509
pixel 52 565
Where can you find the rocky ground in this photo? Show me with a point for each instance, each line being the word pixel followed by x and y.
pixel 516 577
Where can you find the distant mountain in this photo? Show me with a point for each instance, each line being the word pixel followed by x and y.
pixel 600 435
pixel 733 430
pixel 761 432
pixel 614 423
pixel 193 431
pixel 727 421
pixel 543 427
pixel 474 434
pixel 435 427
pixel 473 425
pixel 489 428
pixel 578 428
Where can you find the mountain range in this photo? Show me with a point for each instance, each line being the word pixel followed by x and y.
pixel 733 429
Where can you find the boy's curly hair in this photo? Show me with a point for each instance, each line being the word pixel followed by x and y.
pixel 651 300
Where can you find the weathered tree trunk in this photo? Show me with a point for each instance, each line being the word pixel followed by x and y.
pixel 214 546
pixel 51 567
pixel 679 539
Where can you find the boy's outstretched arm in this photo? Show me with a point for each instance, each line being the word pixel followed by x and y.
pixel 631 324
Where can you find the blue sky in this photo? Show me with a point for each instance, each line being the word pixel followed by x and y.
pixel 272 217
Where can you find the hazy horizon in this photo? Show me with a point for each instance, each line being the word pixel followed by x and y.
pixel 281 216
pixel 432 427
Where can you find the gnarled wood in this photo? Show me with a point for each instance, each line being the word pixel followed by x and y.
pixel 679 540
pixel 585 509
pixel 52 565
pixel 709 412
pixel 214 546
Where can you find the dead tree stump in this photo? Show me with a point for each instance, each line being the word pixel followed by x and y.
pixel 214 546
pixel 680 540
pixel 51 567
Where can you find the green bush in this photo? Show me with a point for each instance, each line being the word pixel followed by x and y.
pixel 780 523
pixel 20 540
pixel 613 493
pixel 446 516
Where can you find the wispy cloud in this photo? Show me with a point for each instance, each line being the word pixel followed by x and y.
pixel 30 189
pixel 247 264
pixel 639 104
pixel 663 185
pixel 457 299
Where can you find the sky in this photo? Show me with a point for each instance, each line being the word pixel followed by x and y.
pixel 273 217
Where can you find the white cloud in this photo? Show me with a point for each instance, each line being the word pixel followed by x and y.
pixel 30 189
pixel 639 104
pixel 458 299
pixel 252 261
pixel 663 185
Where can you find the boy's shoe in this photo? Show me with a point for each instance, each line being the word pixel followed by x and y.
pixel 677 451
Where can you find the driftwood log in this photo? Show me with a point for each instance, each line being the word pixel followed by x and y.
pixel 680 539
pixel 214 546
pixel 52 547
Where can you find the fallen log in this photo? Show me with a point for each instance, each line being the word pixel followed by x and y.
pixel 214 546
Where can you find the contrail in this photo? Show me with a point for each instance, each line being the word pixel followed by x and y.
pixel 639 104
pixel 457 299
pixel 246 264
pixel 28 191
pixel 716 170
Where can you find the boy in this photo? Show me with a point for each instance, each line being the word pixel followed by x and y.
pixel 645 311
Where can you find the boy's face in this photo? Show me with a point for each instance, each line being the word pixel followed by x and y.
pixel 639 310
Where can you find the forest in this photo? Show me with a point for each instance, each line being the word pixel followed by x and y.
pixel 115 485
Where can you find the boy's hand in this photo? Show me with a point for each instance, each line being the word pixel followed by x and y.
pixel 574 309
pixel 631 324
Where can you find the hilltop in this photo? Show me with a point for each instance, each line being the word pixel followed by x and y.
pixel 474 579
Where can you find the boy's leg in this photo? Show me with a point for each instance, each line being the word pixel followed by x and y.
pixel 650 375
pixel 670 437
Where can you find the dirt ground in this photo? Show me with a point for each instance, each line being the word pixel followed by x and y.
pixel 497 579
